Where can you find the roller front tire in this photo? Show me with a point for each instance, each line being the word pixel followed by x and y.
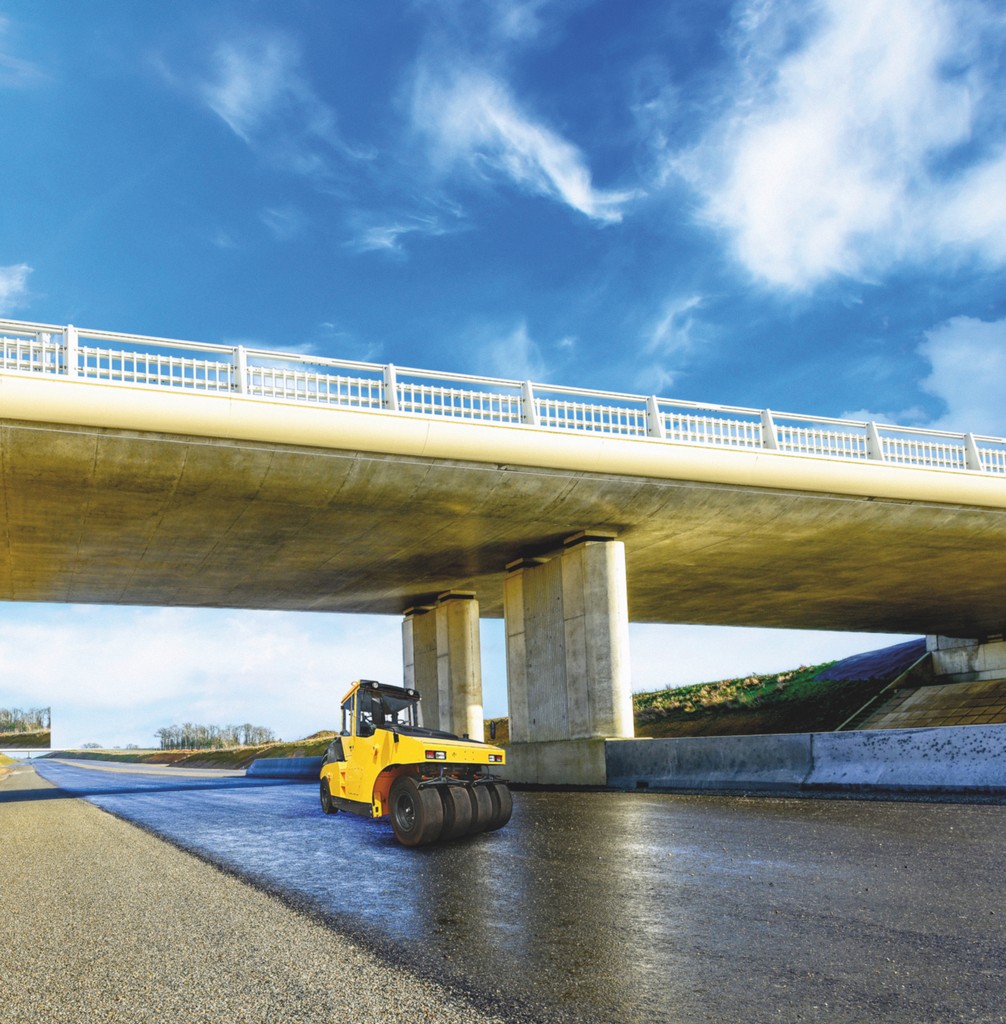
pixel 417 813
pixel 327 804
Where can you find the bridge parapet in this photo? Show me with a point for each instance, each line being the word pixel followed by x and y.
pixel 107 357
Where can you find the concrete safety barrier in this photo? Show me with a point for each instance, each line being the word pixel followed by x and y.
pixel 955 759
pixel 285 767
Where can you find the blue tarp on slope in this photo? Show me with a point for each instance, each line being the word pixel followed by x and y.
pixel 286 767
pixel 887 663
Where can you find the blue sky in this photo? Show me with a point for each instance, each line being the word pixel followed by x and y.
pixel 783 204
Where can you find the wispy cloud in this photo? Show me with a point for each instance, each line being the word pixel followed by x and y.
pixel 518 20
pixel 16 72
pixel 509 353
pixel 389 236
pixel 13 286
pixel 674 330
pixel 256 84
pixel 284 222
pixel 842 148
pixel 491 26
pixel 472 119
pixel 668 342
pixel 252 81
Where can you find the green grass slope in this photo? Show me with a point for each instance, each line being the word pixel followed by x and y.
pixel 782 702
pixel 38 740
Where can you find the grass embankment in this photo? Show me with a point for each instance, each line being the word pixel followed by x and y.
pixel 41 739
pixel 4 759
pixel 782 702
pixel 226 757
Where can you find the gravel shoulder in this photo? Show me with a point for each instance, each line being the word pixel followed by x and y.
pixel 105 922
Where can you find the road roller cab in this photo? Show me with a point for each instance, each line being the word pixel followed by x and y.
pixel 434 786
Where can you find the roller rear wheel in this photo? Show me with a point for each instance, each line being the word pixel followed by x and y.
pixel 417 815
pixel 482 808
pixel 502 801
pixel 457 811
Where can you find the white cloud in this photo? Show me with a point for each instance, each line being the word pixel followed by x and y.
pixel 828 158
pixel 518 20
pixel 258 88
pixel 106 671
pixel 472 118
pixel 13 286
pixel 913 416
pixel 513 355
pixel 968 359
pixel 972 214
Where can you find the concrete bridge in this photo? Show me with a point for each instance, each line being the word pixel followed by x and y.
pixel 152 471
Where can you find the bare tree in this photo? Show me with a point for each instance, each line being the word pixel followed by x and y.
pixel 25 719
pixel 189 736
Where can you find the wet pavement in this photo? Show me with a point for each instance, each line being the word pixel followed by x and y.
pixel 633 907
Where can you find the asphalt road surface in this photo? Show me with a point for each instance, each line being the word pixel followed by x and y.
pixel 629 907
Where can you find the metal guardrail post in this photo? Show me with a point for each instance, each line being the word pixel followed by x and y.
pixel 654 419
pixel 390 388
pixel 70 350
pixel 529 407
pixel 972 457
pixel 241 369
pixel 874 445
pixel 769 437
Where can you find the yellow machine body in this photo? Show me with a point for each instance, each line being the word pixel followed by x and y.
pixel 381 740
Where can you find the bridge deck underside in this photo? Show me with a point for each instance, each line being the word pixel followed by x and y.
pixel 102 516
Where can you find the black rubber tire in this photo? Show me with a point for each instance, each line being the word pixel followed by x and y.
pixel 482 808
pixel 326 799
pixel 457 811
pixel 417 815
pixel 499 793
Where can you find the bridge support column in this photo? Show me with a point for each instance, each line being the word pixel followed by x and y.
pixel 443 661
pixel 967 661
pixel 567 641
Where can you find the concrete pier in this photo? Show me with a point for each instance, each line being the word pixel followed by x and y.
pixel 958 660
pixel 567 660
pixel 443 661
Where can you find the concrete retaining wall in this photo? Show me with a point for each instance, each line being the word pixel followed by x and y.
pixel 710 762
pixel 286 767
pixel 954 759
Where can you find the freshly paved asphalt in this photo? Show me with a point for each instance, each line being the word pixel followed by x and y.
pixel 104 922
pixel 632 907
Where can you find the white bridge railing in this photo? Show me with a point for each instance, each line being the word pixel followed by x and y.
pixel 160 362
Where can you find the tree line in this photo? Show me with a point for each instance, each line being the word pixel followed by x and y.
pixel 25 719
pixel 212 737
